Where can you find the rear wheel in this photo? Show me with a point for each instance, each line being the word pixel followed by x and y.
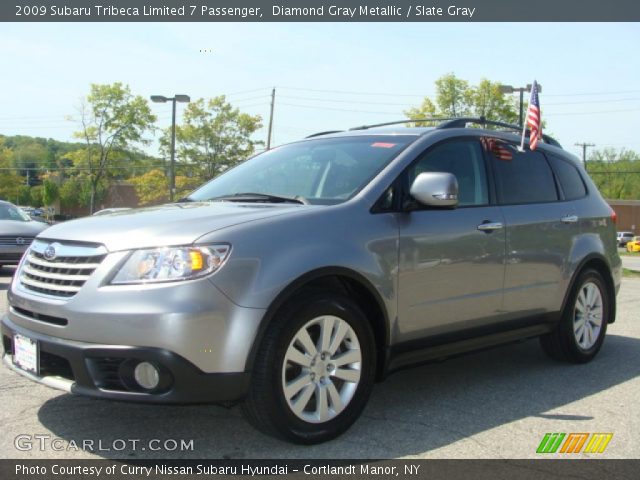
pixel 582 328
pixel 314 371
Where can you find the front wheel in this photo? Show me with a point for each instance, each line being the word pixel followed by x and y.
pixel 314 371
pixel 582 328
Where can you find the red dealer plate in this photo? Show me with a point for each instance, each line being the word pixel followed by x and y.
pixel 25 353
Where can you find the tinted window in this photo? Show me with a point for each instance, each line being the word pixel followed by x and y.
pixel 569 177
pixel 526 178
pixel 463 159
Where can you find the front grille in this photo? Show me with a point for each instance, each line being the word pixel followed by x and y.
pixel 62 276
pixel 15 241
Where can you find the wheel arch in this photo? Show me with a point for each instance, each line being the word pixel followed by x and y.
pixel 339 280
pixel 598 263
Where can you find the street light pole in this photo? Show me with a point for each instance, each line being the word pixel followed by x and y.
pixel 172 165
pixel 521 90
pixel 172 168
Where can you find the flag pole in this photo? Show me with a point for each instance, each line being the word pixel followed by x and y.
pixel 524 124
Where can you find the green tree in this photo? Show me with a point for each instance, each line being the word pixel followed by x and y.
pixel 214 136
pixel 35 196
pixel 616 173
pixel 151 187
pixel 488 101
pixel 10 181
pixel 70 192
pixel 50 192
pixel 112 119
pixel 456 98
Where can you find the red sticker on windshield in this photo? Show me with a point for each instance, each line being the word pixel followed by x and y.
pixel 383 145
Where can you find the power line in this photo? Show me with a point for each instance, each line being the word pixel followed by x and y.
pixel 344 92
pixel 592 113
pixel 366 102
pixel 316 107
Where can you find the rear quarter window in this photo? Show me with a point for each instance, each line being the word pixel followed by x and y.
pixel 569 177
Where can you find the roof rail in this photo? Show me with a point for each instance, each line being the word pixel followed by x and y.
pixel 460 122
pixel 463 121
pixel 399 122
pixel 323 133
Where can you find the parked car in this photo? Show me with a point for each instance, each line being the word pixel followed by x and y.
pixel 17 231
pixel 634 245
pixel 623 238
pixel 294 281
pixel 106 211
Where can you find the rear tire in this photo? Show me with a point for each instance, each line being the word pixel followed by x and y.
pixel 583 325
pixel 314 371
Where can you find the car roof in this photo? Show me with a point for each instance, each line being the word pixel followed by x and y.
pixel 395 130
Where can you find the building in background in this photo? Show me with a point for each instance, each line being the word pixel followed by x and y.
pixel 628 215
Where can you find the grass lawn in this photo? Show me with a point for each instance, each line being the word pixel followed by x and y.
pixel 630 273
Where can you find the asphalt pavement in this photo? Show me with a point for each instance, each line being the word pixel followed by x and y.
pixel 493 404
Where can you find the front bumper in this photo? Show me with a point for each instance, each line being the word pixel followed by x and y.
pixel 106 371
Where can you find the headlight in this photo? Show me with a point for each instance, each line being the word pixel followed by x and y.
pixel 170 264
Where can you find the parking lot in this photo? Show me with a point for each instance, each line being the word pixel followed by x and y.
pixel 493 404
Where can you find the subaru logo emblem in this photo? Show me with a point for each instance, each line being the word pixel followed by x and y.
pixel 50 251
pixel 19 241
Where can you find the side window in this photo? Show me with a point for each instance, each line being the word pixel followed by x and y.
pixel 465 160
pixel 569 177
pixel 526 178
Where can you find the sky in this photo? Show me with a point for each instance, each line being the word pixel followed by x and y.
pixel 328 76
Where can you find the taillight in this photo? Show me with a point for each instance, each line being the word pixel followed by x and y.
pixel 614 216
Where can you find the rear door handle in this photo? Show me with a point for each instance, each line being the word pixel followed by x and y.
pixel 489 227
pixel 569 219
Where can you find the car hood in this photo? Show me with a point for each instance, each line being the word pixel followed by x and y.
pixel 15 228
pixel 172 224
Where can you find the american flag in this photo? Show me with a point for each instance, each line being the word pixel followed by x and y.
pixel 534 118
pixel 500 149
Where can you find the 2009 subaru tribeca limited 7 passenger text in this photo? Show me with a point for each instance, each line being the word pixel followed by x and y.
pixel 295 280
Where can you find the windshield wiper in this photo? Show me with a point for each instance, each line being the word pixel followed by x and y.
pixel 260 197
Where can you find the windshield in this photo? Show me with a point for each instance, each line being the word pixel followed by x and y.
pixel 321 171
pixel 9 212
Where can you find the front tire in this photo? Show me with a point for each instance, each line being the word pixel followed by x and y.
pixel 583 325
pixel 314 371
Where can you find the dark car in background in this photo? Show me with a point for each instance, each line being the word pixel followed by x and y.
pixel 17 231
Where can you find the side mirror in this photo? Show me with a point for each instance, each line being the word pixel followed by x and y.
pixel 435 189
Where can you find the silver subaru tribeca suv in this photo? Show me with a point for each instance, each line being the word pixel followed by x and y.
pixel 294 281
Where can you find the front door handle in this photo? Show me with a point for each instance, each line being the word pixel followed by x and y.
pixel 489 227
pixel 569 219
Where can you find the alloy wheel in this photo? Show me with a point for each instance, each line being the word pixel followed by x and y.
pixel 321 369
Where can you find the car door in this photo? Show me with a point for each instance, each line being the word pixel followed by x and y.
pixel 451 261
pixel 540 227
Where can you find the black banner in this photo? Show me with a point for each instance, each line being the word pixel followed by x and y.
pixel 318 11
pixel 299 469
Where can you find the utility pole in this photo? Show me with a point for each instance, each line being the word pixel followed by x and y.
pixel 584 152
pixel 273 101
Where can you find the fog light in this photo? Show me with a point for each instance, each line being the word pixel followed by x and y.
pixel 146 375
